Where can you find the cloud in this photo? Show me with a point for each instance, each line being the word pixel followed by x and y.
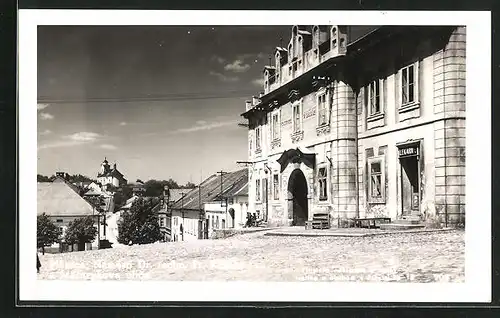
pixel 75 139
pixel 217 59
pixel 84 136
pixel 46 116
pixel 59 144
pixel 237 66
pixel 252 56
pixel 224 78
pixel 203 125
pixel 123 123
pixel 41 106
pixel 108 147
pixel 45 132
pixel 258 82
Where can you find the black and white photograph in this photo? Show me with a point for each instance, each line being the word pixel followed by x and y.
pixel 326 153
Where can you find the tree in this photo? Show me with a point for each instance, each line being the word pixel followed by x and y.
pixel 189 185
pixel 140 224
pixel 153 188
pixel 42 178
pixel 46 231
pixel 81 230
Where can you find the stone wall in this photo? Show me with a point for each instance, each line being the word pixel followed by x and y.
pixel 449 104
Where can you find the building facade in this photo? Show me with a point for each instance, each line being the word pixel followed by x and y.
pixel 367 128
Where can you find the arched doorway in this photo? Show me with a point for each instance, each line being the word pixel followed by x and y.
pixel 297 194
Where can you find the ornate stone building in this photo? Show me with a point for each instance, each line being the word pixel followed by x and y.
pixel 368 128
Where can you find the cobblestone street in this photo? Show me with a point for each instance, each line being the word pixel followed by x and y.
pixel 402 257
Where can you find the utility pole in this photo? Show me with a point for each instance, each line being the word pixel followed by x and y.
pixel 182 212
pixel 221 181
pixel 201 228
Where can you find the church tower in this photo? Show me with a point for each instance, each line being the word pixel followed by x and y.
pixel 104 167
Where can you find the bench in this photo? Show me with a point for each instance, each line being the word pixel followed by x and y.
pixel 320 221
pixel 359 222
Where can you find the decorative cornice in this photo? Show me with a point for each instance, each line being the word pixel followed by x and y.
pixel 310 113
pixel 293 95
pixel 297 136
pixel 276 143
pixel 322 130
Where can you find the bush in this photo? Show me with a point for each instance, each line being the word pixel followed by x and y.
pixel 140 224
pixel 47 233
pixel 81 230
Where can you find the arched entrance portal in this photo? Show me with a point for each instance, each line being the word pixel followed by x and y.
pixel 297 194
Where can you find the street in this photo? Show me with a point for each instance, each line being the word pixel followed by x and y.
pixel 402 257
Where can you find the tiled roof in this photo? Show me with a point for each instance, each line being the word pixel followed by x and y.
pixel 176 194
pixel 210 189
pixel 60 199
pixel 238 188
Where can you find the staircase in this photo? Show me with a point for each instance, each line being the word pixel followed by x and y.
pixel 408 222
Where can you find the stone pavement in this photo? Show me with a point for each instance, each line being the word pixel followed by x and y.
pixel 342 232
pixel 399 257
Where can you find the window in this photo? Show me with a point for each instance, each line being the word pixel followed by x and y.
pixel 296 117
pixel 322 110
pixel 59 221
pixel 408 84
pixel 257 138
pixel 276 187
pixel 374 100
pixel 217 222
pixel 162 221
pixel 376 184
pixel 175 221
pixel 276 127
pixel 322 176
pixel 257 190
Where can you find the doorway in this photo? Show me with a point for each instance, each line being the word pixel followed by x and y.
pixel 231 218
pixel 410 181
pixel 297 199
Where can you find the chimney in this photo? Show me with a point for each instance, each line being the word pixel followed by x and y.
pixel 261 94
pixel 248 104
pixel 114 166
pixel 255 100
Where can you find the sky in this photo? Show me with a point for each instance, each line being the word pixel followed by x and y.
pixel 160 101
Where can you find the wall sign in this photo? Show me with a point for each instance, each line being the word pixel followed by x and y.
pixel 408 151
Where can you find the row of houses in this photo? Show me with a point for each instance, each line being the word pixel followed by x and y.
pixel 219 202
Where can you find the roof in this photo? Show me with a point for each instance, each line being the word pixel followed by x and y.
pixel 210 189
pixel 243 191
pixel 176 194
pixel 93 192
pixel 59 199
pixel 112 173
pixel 239 188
